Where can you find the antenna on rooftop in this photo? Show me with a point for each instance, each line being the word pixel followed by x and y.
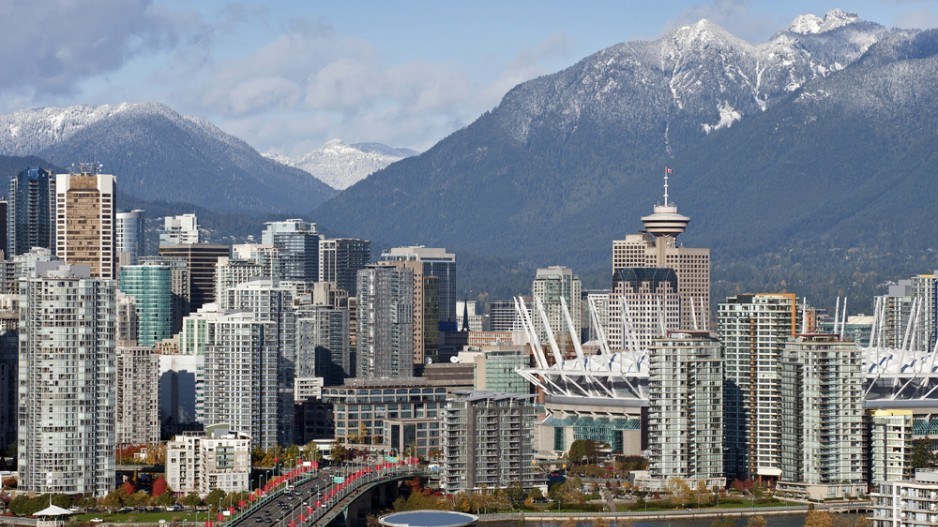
pixel 666 172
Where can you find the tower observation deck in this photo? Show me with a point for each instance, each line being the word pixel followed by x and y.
pixel 666 221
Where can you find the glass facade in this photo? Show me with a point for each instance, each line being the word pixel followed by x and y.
pixel 150 285
pixel 31 212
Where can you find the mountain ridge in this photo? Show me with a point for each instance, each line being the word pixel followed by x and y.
pixel 567 162
pixel 341 165
pixel 159 154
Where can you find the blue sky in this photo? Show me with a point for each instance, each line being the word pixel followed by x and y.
pixel 288 76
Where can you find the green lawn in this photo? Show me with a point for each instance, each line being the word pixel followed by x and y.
pixel 121 517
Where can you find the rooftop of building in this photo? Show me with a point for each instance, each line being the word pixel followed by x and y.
pixel 428 519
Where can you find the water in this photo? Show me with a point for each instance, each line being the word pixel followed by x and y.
pixel 788 520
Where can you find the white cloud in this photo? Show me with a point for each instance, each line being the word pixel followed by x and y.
pixel 48 47
pixel 305 84
pixel 735 16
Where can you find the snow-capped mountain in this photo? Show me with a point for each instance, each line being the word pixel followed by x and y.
pixel 340 165
pixel 816 136
pixel 158 154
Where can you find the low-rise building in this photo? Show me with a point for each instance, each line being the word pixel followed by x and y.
pixel 362 406
pixel 907 503
pixel 890 445
pixel 203 461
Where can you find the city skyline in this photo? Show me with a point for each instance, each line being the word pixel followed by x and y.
pixel 277 316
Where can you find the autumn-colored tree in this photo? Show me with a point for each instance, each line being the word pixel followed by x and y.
pixel 159 487
pixel 156 454
pixel 817 518
pixel 680 491
pixel 702 494
pixel 755 521
pixel 128 487
pixel 722 522
pixel 600 522
pixel 461 502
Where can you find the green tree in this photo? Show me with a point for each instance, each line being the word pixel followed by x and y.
pixel 137 499
pixel 87 503
pixel 583 450
pixel 516 494
pixel 164 500
pixel 191 500
pixel 311 452
pixel 923 456
pixel 536 494
pixel 338 450
pixel 112 501
pixel 215 497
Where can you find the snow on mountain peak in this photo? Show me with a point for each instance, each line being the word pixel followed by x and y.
pixel 341 165
pixel 810 24
pixel 701 33
pixel 28 132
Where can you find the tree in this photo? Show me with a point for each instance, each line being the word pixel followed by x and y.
pixel 600 522
pixel 112 501
pixel 817 518
pixel 156 454
pixel 136 499
pixel 722 522
pixel 164 500
pixel 679 490
pixel 756 521
pixel 922 454
pixel 87 503
pixel 338 450
pixel 191 500
pixel 536 494
pixel 311 452
pixel 583 449
pixel 515 494
pixel 214 497
pixel 702 494
pixel 159 487
pixel 128 487
pixel 461 502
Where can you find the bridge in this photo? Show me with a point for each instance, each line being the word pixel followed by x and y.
pixel 320 497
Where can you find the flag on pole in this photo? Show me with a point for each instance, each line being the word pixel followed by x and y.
pixel 667 170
